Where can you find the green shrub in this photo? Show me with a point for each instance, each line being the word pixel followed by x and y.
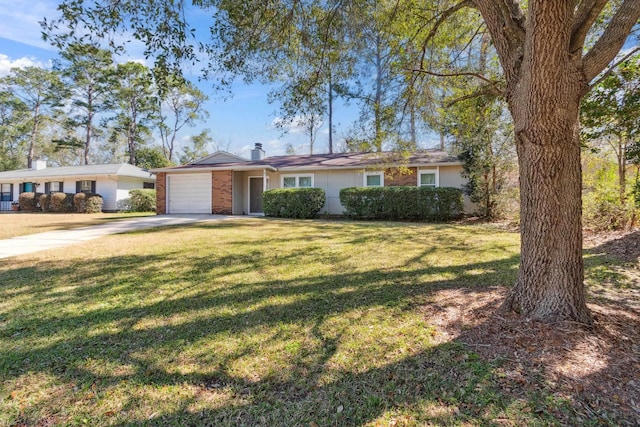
pixel 402 203
pixel 142 200
pixel 604 211
pixel 45 202
pixel 87 203
pixel 29 201
pixel 61 202
pixel 293 202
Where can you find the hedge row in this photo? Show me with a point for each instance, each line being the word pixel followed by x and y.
pixel 56 202
pixel 61 202
pixel 293 202
pixel 402 203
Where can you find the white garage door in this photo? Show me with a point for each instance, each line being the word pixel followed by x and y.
pixel 189 193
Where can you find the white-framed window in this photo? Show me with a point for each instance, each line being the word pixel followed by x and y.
pixel 55 187
pixel 6 191
pixel 373 179
pixel 428 178
pixel 297 181
pixel 85 186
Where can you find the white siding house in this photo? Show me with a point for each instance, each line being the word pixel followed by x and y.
pixel 111 181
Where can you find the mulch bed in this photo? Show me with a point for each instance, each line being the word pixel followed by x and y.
pixel 597 370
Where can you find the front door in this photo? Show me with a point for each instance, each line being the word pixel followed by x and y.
pixel 255 195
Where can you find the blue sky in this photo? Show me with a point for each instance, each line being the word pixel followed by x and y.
pixel 236 122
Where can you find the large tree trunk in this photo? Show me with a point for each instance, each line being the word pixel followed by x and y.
pixel 544 104
pixel 550 280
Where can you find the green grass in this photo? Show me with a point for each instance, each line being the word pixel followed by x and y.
pixel 257 322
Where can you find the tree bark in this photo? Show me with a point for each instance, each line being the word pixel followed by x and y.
pixel 550 280
pixel 544 104
pixel 34 136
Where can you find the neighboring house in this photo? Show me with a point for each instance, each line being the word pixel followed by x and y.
pixel 112 182
pixel 224 183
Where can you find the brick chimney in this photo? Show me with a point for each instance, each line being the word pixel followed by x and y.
pixel 39 164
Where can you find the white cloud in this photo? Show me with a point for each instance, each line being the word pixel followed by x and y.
pixel 20 21
pixel 244 151
pixel 275 144
pixel 7 63
pixel 295 125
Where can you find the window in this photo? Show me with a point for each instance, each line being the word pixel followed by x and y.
pixel 297 181
pixel 428 178
pixel 289 182
pixel 149 185
pixel 54 187
pixel 85 186
pixel 5 193
pixel 374 179
pixel 27 187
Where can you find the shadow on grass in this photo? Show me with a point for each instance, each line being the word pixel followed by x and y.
pixel 441 384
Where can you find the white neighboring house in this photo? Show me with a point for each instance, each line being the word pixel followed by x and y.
pixel 112 182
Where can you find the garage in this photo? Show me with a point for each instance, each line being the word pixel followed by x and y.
pixel 189 193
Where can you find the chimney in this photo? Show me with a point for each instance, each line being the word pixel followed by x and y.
pixel 257 153
pixel 39 164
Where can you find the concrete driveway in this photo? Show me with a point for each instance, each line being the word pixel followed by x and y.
pixel 56 239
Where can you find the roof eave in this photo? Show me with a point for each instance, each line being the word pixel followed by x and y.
pixel 352 167
pixel 196 169
pixel 78 175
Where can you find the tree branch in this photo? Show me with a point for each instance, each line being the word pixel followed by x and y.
pixel 492 87
pixel 436 26
pixel 506 23
pixel 461 74
pixel 585 16
pixel 612 40
pixel 613 67
pixel 484 92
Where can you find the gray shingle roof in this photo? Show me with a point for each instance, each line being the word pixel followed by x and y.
pixel 119 169
pixel 335 161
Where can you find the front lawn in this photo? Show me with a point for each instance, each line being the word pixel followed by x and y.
pixel 20 224
pixel 266 323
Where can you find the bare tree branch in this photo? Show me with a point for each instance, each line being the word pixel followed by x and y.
pixel 612 40
pixel 613 67
pixel 585 16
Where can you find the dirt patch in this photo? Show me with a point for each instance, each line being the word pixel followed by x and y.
pixel 597 371
pixel 624 245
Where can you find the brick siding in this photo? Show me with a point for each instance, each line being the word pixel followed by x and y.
pixel 393 177
pixel 161 193
pixel 222 192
